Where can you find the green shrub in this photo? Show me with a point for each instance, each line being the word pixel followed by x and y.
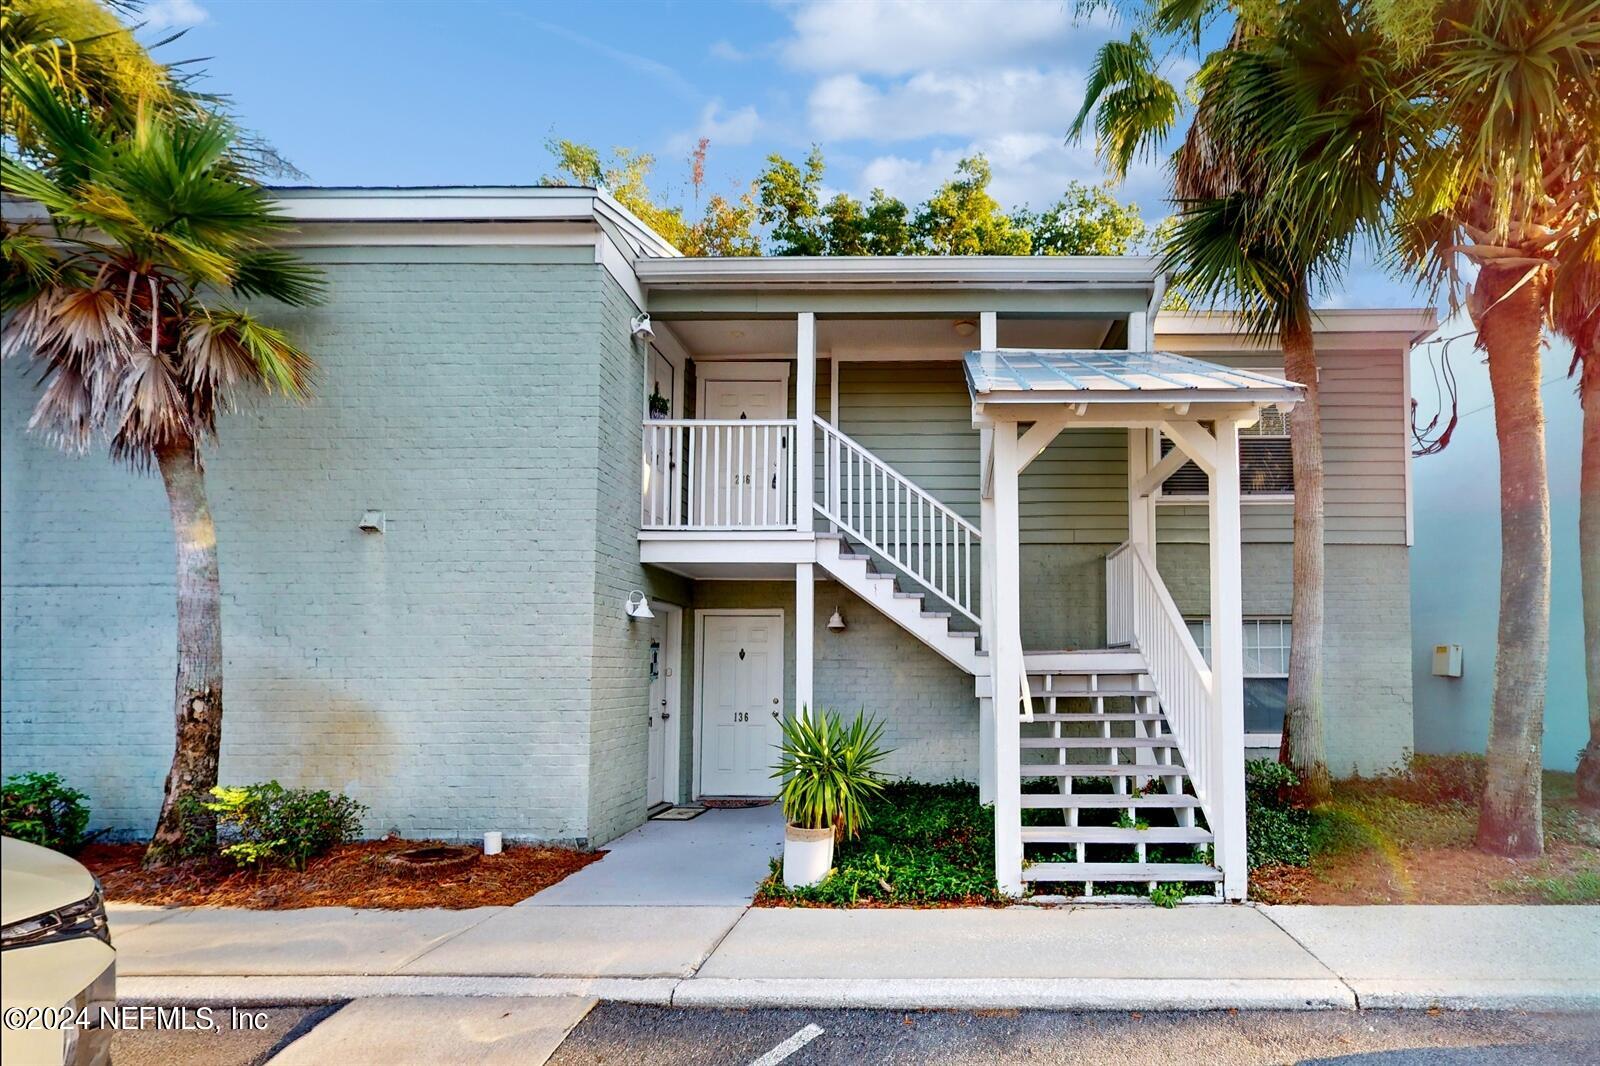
pixel 925 844
pixel 1277 829
pixel 267 824
pixel 1168 895
pixel 41 809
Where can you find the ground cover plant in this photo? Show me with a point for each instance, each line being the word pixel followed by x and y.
pixel 1408 836
pixel 924 845
pixel 43 809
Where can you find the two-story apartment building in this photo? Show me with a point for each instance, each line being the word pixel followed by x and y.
pixel 532 562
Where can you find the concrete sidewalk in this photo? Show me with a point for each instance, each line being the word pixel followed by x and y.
pixel 1088 957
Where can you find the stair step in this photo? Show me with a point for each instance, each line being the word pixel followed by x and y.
pixel 1045 769
pixel 1100 742
pixel 1110 834
pixel 1104 801
pixel 1091 716
pixel 1080 694
pixel 1120 871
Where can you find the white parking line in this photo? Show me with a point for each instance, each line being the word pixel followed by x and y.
pixel 789 1046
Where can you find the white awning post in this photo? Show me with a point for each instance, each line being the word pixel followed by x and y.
pixel 1227 664
pixel 988 337
pixel 805 633
pixel 805 410
pixel 1005 658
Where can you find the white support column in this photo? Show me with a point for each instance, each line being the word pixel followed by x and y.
pixel 1006 659
pixel 988 340
pixel 1138 331
pixel 1227 665
pixel 986 585
pixel 1141 507
pixel 805 409
pixel 805 635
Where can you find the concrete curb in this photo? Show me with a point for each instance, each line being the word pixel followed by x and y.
pixel 1079 993
pixel 1467 994
pixel 264 991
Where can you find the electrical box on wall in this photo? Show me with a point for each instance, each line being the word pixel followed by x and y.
pixel 1447 660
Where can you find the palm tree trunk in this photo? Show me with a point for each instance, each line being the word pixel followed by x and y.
pixel 1304 745
pixel 197 702
pixel 1589 562
pixel 1510 819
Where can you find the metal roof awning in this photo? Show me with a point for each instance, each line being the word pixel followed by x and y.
pixel 1036 377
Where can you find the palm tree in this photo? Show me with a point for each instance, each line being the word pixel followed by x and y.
pixel 119 296
pixel 1279 173
pixel 1576 316
pixel 1505 180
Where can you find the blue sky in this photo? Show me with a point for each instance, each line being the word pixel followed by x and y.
pixel 396 92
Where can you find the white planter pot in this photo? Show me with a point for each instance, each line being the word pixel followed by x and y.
pixel 807 855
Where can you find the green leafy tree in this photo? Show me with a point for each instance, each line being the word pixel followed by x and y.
pixel 1087 220
pixel 962 218
pixel 123 299
pixel 725 227
pixel 789 195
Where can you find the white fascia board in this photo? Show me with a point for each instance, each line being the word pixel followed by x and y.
pixel 1407 320
pixel 974 271
pixel 471 204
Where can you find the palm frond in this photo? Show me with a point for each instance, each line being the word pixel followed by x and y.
pixel 278 275
pixel 1133 106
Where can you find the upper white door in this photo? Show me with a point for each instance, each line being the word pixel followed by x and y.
pixel 741 703
pixel 750 465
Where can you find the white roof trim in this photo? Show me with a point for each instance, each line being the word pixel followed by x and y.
pixel 870 271
pixel 1408 320
pixel 472 204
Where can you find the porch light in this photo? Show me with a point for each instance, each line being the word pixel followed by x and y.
pixel 638 606
pixel 836 621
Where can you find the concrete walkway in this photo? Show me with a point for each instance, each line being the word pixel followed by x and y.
pixel 1099 957
pixel 715 860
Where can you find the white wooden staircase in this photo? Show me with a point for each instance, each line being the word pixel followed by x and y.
pixel 1104 801
pixel 853 568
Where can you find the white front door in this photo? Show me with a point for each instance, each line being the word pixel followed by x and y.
pixel 751 464
pixel 741 703
pixel 655 773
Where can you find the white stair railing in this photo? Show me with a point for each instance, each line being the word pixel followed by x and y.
pixel 1140 613
pixel 874 503
pixel 719 474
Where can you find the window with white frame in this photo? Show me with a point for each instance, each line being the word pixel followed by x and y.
pixel 1266 673
pixel 1266 467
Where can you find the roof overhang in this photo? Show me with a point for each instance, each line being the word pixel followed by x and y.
pixel 1116 387
pixel 922 272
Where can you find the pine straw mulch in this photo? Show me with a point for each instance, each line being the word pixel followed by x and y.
pixel 1408 837
pixel 350 875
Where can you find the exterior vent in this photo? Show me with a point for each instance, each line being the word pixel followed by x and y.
pixel 1266 467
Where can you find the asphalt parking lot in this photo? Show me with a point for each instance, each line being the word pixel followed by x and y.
pixel 616 1033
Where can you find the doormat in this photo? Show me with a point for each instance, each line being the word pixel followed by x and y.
pixel 677 814
pixel 738 804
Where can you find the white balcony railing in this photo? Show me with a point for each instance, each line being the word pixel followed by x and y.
pixel 880 507
pixel 1140 613
pixel 719 474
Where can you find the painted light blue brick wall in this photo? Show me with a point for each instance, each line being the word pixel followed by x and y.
pixel 441 672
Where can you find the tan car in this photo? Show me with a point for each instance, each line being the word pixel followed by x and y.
pixel 57 966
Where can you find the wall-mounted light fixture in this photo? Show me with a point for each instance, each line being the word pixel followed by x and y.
pixel 372 522
pixel 638 605
pixel 966 327
pixel 836 621
pixel 642 330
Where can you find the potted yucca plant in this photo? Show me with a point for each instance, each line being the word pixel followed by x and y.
pixel 829 771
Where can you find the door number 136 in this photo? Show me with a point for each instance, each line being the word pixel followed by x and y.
pixel 741 716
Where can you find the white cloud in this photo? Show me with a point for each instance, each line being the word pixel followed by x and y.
pixel 722 128
pixel 725 49
pixel 173 15
pixel 901 36
pixel 935 103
